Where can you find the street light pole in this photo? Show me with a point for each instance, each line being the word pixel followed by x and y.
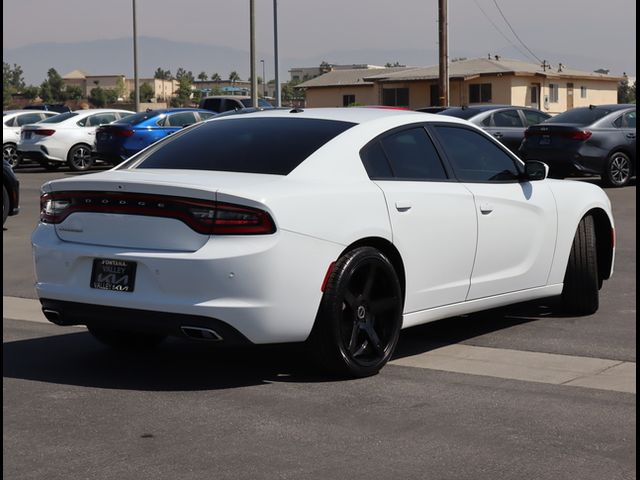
pixel 252 35
pixel 275 54
pixel 135 61
pixel 264 85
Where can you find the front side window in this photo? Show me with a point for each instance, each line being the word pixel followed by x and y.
pixel 553 92
pixel 248 145
pixel 412 155
pixel 474 157
pixel 395 97
pixel 480 93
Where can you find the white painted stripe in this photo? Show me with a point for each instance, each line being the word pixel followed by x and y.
pixel 551 368
pixel 598 373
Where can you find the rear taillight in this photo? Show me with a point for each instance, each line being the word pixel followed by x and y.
pixel 123 132
pixel 579 135
pixel 44 132
pixel 206 217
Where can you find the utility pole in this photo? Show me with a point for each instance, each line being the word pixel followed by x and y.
pixel 136 80
pixel 443 53
pixel 252 34
pixel 275 53
pixel 264 81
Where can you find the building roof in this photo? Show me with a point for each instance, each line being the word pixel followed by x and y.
pixel 467 69
pixel 354 76
pixel 75 74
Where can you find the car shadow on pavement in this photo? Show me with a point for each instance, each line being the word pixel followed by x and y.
pixel 182 365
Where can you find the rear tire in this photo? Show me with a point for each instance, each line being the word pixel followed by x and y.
pixel 79 158
pixel 580 291
pixel 360 315
pixel 617 170
pixel 11 155
pixel 130 341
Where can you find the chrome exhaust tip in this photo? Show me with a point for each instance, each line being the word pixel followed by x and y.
pixel 201 333
pixel 53 316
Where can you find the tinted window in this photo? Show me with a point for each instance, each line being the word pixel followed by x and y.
pixel 474 157
pixel 262 103
pixel 213 104
pixel 580 116
pixel 28 118
pixel 206 115
pixel 100 119
pixel 11 122
pixel 533 118
pixel 251 145
pixel 464 113
pixel 137 118
pixel 181 119
pixel 630 119
pixel 375 161
pixel 412 155
pixel 60 118
pixel 507 118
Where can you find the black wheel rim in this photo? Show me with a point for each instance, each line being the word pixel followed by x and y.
pixel 371 314
pixel 81 158
pixel 10 154
pixel 619 169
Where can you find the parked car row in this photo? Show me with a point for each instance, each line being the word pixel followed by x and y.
pixel 12 122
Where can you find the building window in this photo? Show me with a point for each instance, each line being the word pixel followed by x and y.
pixel 553 92
pixel 395 97
pixel 348 100
pixel 583 92
pixel 480 93
pixel 434 95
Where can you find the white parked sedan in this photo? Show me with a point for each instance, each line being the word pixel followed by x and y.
pixel 66 138
pixel 337 227
pixel 12 121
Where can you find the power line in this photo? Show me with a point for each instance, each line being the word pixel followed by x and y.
pixel 514 32
pixel 525 54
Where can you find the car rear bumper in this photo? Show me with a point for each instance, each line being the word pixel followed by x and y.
pixel 564 164
pixel 38 156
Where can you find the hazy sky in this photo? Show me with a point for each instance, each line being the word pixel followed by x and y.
pixel 604 31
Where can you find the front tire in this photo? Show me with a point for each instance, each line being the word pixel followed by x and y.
pixel 618 170
pixel 360 315
pixel 581 283
pixel 79 158
pixel 130 341
pixel 11 155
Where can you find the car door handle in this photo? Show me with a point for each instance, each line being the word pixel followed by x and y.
pixel 486 208
pixel 403 206
pixel 631 135
pixel 498 134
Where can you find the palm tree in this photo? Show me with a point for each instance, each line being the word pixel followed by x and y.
pixel 215 77
pixel 202 76
pixel 234 77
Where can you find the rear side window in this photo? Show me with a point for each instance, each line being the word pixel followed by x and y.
pixel 375 161
pixel 413 156
pixel 213 104
pixel 181 119
pixel 60 118
pixel 28 118
pixel 249 145
pixel 474 157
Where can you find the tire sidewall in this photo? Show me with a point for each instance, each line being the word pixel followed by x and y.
pixel 609 180
pixel 72 153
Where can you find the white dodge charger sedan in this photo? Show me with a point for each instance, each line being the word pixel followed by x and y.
pixel 337 227
pixel 66 138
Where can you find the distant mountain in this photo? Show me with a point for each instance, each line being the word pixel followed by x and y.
pixel 116 56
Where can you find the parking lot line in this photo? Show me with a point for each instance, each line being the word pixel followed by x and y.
pixel 588 372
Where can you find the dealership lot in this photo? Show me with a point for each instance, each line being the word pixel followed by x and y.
pixel 463 398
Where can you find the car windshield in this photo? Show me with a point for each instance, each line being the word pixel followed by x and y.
pixel 261 103
pixel 580 116
pixel 464 113
pixel 59 118
pixel 249 145
pixel 137 118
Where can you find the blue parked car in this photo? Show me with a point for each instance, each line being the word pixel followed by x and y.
pixel 119 140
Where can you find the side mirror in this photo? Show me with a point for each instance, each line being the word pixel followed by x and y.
pixel 535 170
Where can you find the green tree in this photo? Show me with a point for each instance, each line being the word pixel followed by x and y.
pixel 182 73
pixel 325 67
pixel 110 95
pixel 183 93
pixel 56 84
pixel 7 89
pixel 623 90
pixel 31 92
pixel 202 76
pixel 73 92
pixel 46 95
pixel 234 77
pixel 146 92
pixel 15 78
pixel 98 97
pixel 162 74
pixel 215 77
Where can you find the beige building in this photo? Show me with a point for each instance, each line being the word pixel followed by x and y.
pixel 302 74
pixel 476 81
pixel 163 89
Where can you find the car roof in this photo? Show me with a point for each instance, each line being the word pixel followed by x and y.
pixel 237 97
pixel 12 112
pixel 176 109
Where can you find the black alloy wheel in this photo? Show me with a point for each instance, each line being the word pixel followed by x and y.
pixel 618 170
pixel 79 158
pixel 360 315
pixel 10 154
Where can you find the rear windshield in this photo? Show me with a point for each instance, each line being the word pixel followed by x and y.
pixel 249 145
pixel 59 118
pixel 137 118
pixel 580 116
pixel 464 113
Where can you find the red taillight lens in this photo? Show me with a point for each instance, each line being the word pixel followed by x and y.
pixel 580 135
pixel 121 132
pixel 206 217
pixel 44 132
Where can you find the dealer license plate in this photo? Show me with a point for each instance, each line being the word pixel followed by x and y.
pixel 110 274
